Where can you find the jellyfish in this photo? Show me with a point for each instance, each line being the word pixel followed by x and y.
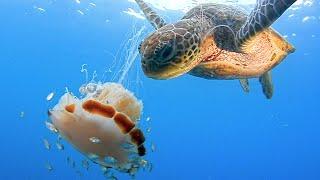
pixel 103 125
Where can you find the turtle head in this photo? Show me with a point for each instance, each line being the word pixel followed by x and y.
pixel 172 50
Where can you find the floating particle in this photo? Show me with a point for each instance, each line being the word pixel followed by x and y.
pixel 305 19
pixel 107 21
pixel 313 35
pixel 80 12
pixel 48 166
pixel 95 140
pixel 294 34
pixel 78 1
pixel 46 144
pixel 59 137
pixel 92 4
pixel 39 9
pixel 291 15
pixel 60 146
pixel 285 36
pixel 51 127
pixel 22 114
pixel 153 147
pixel 85 164
pixel 50 96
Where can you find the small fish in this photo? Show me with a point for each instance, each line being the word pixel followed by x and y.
pixel 153 147
pixel 110 160
pixel 85 164
pixel 51 127
pixel 148 129
pixel 68 160
pixel 60 146
pixel 127 146
pixel 48 166
pixel 80 12
pixel 22 114
pixel 46 144
pixel 148 119
pixel 149 167
pixel 93 156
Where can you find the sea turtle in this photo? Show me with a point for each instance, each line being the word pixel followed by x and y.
pixel 217 41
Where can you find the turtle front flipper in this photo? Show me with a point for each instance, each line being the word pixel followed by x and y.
pixel 156 21
pixel 245 85
pixel 267 85
pixel 261 17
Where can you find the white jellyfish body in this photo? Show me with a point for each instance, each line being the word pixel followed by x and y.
pixel 102 125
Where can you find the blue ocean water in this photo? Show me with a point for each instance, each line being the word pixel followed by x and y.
pixel 201 129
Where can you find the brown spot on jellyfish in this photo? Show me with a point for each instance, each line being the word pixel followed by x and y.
pixel 70 108
pixel 96 107
pixel 137 136
pixel 124 122
pixel 110 115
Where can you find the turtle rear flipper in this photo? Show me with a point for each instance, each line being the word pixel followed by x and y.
pixel 267 85
pixel 245 85
pixel 156 21
pixel 262 16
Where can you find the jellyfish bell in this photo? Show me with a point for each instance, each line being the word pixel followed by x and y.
pixel 103 125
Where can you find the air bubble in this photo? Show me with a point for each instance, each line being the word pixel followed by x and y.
pixel 50 96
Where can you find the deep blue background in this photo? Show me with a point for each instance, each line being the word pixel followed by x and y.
pixel 202 129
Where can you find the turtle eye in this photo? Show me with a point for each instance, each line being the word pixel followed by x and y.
pixel 167 51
